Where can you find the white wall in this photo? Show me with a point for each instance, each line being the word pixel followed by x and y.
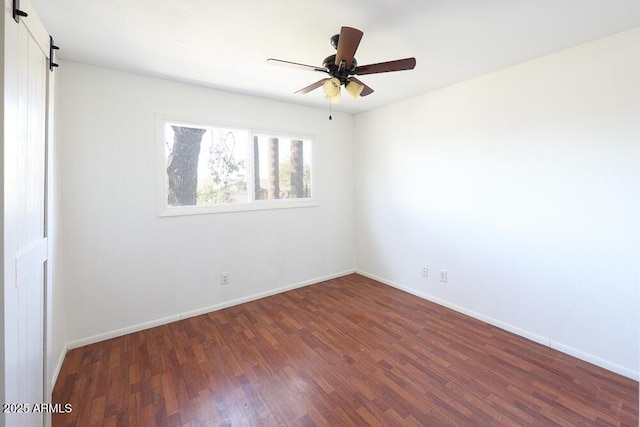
pixel 525 186
pixel 123 267
pixel 56 309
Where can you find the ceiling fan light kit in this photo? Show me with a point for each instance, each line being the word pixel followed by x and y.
pixel 331 87
pixel 354 89
pixel 342 66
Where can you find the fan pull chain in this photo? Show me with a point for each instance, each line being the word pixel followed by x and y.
pixel 330 118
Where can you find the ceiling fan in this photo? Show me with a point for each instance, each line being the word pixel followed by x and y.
pixel 342 66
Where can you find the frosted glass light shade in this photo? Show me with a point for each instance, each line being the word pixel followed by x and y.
pixel 354 89
pixel 331 87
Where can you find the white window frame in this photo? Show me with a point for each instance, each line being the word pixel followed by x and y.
pixel 162 181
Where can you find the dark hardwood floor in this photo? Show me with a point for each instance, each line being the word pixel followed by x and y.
pixel 349 351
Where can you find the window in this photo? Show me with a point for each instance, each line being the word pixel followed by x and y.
pixel 217 168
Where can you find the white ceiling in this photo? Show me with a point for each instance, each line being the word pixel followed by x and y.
pixel 225 44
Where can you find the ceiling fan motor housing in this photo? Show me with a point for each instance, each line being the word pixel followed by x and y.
pixel 330 64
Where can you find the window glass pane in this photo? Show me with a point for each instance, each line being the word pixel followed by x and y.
pixel 211 169
pixel 282 166
pixel 205 166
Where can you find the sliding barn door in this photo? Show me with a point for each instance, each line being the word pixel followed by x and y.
pixel 31 278
pixel 26 216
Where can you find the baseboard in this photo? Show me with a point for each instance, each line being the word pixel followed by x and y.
pixel 578 354
pixel 629 373
pixel 208 309
pixel 122 331
pixel 58 367
pixel 260 295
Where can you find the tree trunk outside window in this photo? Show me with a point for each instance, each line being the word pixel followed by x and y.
pixel 274 168
pixel 182 169
pixel 256 169
pixel 297 170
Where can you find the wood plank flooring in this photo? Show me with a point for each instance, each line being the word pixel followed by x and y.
pixel 345 352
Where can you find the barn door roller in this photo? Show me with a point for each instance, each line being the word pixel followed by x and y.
pixel 17 13
pixel 52 51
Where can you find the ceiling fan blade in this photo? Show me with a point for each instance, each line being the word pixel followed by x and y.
pixel 385 67
pixel 311 87
pixel 366 91
pixel 290 64
pixel 347 45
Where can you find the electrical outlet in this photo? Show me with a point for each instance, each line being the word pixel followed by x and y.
pixel 425 272
pixel 443 276
pixel 224 278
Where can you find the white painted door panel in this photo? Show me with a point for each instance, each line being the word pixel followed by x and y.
pixel 27 222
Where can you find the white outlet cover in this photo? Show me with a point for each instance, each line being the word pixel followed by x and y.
pixel 224 278
pixel 443 276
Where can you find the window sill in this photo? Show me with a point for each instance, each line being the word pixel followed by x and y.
pixel 255 206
